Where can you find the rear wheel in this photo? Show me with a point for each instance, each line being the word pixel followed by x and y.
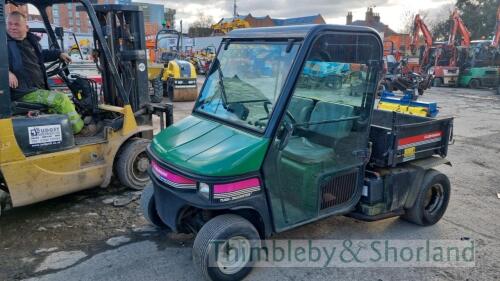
pixel 474 84
pixel 432 200
pixel 132 164
pixel 148 207
pixel 222 249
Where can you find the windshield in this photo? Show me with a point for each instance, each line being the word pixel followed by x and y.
pixel 245 82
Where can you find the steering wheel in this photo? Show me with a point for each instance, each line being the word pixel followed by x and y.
pixel 56 67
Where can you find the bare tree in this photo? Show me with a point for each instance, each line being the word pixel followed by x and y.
pixel 203 21
pixel 408 19
pixel 202 26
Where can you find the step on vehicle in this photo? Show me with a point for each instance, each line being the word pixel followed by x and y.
pixel 40 158
pixel 263 153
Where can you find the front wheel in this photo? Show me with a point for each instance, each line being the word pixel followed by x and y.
pixel 148 207
pixel 157 84
pixel 132 164
pixel 223 248
pixel 432 200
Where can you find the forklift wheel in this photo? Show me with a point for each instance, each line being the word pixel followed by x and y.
pixel 223 248
pixel 432 200
pixel 149 208
pixel 157 84
pixel 474 84
pixel 132 164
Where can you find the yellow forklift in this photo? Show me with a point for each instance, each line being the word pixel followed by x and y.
pixel 40 158
pixel 169 74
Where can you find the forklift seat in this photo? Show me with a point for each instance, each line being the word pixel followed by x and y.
pixel 21 107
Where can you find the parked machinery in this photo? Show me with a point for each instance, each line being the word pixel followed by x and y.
pixel 169 74
pixel 40 158
pixel 480 67
pixel 262 154
pixel 424 54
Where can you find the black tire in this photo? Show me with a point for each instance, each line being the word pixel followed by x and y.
pixel 474 84
pixel 437 82
pixel 498 90
pixel 157 84
pixel 148 207
pixel 132 164
pixel 169 89
pixel 432 200
pixel 223 228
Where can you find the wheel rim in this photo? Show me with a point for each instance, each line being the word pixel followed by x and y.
pixel 140 167
pixel 434 199
pixel 233 255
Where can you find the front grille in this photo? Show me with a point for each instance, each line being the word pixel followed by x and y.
pixel 338 190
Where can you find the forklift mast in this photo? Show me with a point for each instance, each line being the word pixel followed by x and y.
pixel 5 101
pixel 123 29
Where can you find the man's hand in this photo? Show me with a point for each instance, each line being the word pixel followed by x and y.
pixel 13 83
pixel 65 57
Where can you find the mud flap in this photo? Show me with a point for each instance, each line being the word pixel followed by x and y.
pixel 421 166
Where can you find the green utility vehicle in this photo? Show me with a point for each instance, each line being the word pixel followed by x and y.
pixel 263 152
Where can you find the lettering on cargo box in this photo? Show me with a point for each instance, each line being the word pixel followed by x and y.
pixel 420 140
pixel 45 135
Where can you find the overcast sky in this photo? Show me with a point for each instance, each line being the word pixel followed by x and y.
pixel 333 11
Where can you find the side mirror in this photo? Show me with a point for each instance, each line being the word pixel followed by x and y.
pixel 59 32
pixel 285 134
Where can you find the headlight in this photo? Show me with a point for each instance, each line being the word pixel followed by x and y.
pixel 204 190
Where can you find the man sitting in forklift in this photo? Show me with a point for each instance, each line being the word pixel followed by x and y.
pixel 28 77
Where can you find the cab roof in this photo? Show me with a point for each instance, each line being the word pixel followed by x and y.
pixel 294 31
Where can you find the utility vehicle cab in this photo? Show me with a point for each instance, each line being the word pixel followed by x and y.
pixel 276 140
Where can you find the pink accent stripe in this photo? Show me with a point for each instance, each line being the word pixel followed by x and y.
pixel 169 175
pixel 235 186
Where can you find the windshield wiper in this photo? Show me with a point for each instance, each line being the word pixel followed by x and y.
pixel 222 88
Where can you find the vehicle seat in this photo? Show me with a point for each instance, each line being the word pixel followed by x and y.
pixel 301 108
pixel 21 107
pixel 303 149
pixel 324 111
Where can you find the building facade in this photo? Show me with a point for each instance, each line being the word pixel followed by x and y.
pixel 67 16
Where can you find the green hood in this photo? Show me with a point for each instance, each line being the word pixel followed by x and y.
pixel 209 148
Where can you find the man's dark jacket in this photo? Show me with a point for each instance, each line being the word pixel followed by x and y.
pixel 16 64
